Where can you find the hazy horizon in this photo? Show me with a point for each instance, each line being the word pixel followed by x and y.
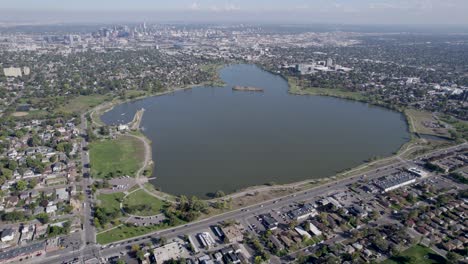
pixel 384 12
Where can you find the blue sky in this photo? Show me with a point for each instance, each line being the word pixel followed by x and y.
pixel 328 11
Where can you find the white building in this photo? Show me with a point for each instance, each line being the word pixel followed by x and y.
pixel 314 230
pixel 12 72
pixel 7 235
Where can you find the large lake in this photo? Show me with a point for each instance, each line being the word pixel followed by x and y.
pixel 212 138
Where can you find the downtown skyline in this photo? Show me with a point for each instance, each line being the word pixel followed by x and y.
pixel 414 12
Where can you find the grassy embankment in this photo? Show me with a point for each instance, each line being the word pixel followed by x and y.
pixel 416 254
pixel 122 156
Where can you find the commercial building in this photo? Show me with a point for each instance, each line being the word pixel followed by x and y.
pixel 303 212
pixel 269 222
pixel 395 181
pixel 168 252
pixel 206 240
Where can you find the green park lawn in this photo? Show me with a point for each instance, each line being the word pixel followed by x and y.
pixel 126 231
pixel 295 88
pixel 118 157
pixel 111 202
pixel 142 204
pixel 416 254
pixel 82 103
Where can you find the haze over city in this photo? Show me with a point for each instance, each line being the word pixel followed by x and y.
pixel 448 12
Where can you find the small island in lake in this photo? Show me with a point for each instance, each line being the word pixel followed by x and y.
pixel 247 89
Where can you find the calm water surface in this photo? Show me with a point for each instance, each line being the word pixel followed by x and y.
pixel 212 138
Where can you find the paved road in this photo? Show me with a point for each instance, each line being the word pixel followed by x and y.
pixel 89 232
pixel 117 247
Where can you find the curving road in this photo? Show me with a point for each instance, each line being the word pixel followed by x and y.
pixel 114 249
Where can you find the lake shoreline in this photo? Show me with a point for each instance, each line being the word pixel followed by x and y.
pixel 260 186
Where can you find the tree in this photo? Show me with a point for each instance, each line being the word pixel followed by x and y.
pixel 219 194
pixel 12 165
pixel 453 257
pixel 21 185
pixel 32 183
pixel 104 130
pixel 162 241
pixel 135 248
pixel 6 173
pixel 43 218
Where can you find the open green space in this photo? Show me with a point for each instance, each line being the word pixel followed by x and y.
pixel 82 103
pixel 416 254
pixel 143 204
pixel 127 231
pixel 122 156
pixel 420 121
pixel 296 88
pixel 111 202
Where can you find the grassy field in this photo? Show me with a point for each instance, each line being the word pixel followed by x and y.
pixel 416 254
pixel 124 232
pixel 128 231
pixel 82 103
pixel 143 204
pixel 110 201
pixel 417 119
pixel 118 157
pixel 295 88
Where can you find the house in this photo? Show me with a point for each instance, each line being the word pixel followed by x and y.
pixel 51 209
pixel 231 258
pixel 314 230
pixel 62 194
pixel 358 211
pixel 57 167
pixel 24 196
pixel 12 201
pixel 7 235
pixel 276 242
pixel 34 194
pixel 28 174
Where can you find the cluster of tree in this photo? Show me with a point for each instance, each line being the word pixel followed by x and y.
pixel 433 167
pixel 186 209
pixel 261 255
pixel 53 231
pixel 103 216
pixel 14 216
